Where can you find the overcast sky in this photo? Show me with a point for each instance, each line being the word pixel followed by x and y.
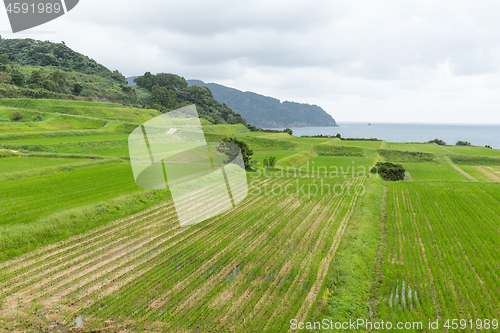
pixel 371 61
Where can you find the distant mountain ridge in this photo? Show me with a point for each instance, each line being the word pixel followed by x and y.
pixel 263 111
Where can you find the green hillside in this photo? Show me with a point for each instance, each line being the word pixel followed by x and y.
pixel 45 70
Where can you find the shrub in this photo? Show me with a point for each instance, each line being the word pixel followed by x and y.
pixel 389 171
pixel 37 117
pixel 270 162
pixel 16 115
pixel 463 143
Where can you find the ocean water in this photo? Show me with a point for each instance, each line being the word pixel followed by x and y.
pixel 478 135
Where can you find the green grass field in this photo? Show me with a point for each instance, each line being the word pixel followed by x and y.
pixel 361 144
pixel 21 163
pixel 479 151
pixel 483 173
pixel 28 200
pixel 421 147
pixel 432 172
pixel 442 253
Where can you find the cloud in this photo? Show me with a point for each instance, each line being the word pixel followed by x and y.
pixel 359 60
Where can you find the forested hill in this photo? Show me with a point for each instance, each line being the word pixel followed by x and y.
pixel 31 52
pixel 40 69
pixel 263 111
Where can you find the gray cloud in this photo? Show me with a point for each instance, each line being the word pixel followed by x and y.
pixel 355 59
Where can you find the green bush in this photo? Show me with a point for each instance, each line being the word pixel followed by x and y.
pixel 270 162
pixel 16 115
pixel 389 171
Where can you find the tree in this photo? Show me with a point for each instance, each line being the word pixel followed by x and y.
pixel 16 115
pixel 17 78
pixel 230 151
pixel 288 130
pixel 463 143
pixel 338 136
pixel 36 76
pixel 5 77
pixel 4 59
pixel 389 171
pixel 438 142
pixel 117 76
pixel 77 89
pixel 37 118
pixel 270 162
pixel 163 96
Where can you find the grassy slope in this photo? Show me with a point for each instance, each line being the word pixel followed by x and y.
pixel 433 172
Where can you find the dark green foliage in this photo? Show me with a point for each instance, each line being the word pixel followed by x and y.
pixel 17 78
pixel 325 150
pixel 262 111
pixel 16 115
pixel 77 89
pixel 463 143
pixel 163 96
pixel 405 156
pixel 171 91
pixel 389 171
pixel 117 76
pixel 4 59
pixel 229 150
pixel 438 142
pixel 288 130
pixel 488 146
pixel 252 128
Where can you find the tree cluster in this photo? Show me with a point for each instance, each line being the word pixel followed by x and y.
pixel 463 143
pixel 230 151
pixel 438 142
pixel 389 171
pixel 170 91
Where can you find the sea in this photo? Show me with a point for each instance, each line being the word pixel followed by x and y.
pixel 477 135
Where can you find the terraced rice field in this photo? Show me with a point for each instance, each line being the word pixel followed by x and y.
pixel 480 151
pixel 250 269
pixel 432 172
pixel 441 260
pixel 26 200
pixel 12 164
pixel 483 173
pixel 423 147
pixel 362 144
